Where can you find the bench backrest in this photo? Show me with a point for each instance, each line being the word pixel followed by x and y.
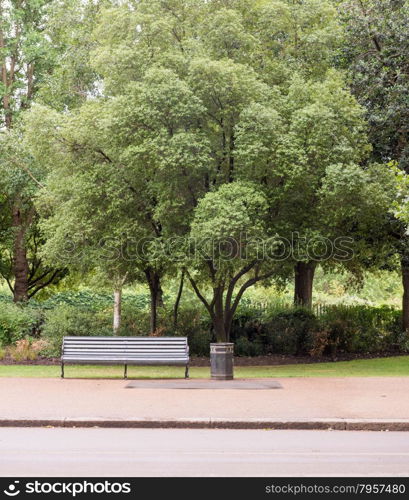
pixel 126 347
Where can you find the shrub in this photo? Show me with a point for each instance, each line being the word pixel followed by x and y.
pixel 245 347
pixel 319 342
pixel 400 342
pixel 67 320
pixel 361 329
pixel 194 324
pixel 27 349
pixel 135 321
pixel 18 321
pixel 289 332
pixel 199 343
pixel 247 323
pixel 89 300
pixel 278 329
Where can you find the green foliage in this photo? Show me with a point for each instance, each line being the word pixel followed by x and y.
pixel 338 329
pixel 373 53
pixel 363 329
pixel 69 26
pixel 17 322
pixel 208 119
pixel 288 332
pixel 26 57
pixel 223 121
pixel 376 41
pixel 28 49
pixel 226 229
pixel 199 343
pixel 277 329
pixel 85 299
pixel 66 320
pixel 244 347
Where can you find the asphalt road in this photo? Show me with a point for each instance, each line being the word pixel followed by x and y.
pixel 175 452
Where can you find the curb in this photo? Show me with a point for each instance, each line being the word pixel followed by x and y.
pixel 338 424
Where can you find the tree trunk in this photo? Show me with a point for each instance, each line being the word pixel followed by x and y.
pixel 154 311
pixel 219 328
pixel 219 317
pixel 304 277
pixel 177 301
pixel 159 299
pixel 405 298
pixel 117 310
pixel 155 290
pixel 20 263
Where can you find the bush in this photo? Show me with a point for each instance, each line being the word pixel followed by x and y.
pixel 68 320
pixel 27 349
pixel 339 329
pixel 279 329
pixel 247 323
pixel 90 301
pixel 135 321
pixel 17 322
pixel 199 343
pixel 401 342
pixel 289 332
pixel 194 324
pixel 245 347
pixel 361 329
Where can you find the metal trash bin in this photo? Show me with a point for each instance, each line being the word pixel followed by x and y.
pixel 221 361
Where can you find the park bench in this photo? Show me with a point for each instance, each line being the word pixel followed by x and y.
pixel 125 351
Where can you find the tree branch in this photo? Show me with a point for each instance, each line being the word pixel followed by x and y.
pixel 246 285
pixel 200 296
pixel 9 284
pixel 28 171
pixel 33 282
pixel 44 285
pixel 233 283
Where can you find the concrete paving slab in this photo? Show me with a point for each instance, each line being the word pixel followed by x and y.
pixel 308 399
pixel 193 384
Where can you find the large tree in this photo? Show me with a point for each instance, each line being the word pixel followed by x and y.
pixel 32 46
pixel 24 59
pixel 375 53
pixel 160 134
pixel 296 148
pixel 192 96
pixel 21 238
pixel 132 168
pixel 226 250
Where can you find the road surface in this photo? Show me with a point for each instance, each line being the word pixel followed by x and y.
pixel 176 452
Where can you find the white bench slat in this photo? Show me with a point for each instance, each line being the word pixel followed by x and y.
pixel 126 351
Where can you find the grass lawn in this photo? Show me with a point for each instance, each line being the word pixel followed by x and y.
pixel 382 367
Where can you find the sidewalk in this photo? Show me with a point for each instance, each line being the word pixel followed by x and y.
pixel 339 403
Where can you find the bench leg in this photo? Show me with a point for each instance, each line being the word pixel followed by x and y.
pixel 187 371
pixel 62 370
pixel 126 372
